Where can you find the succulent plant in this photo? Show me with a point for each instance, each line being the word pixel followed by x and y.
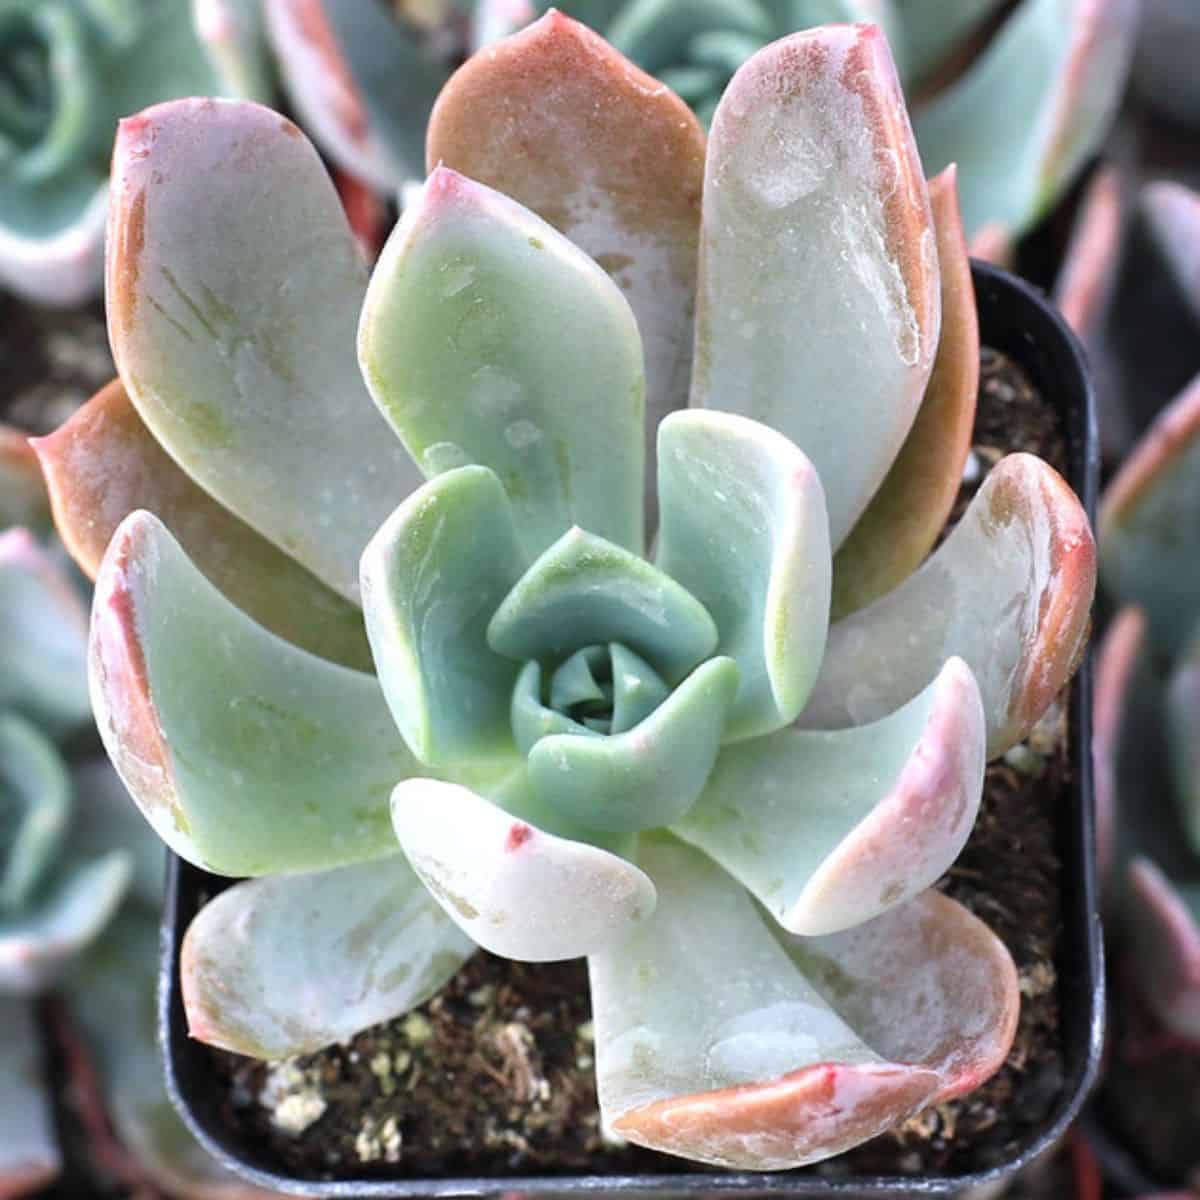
pixel 1130 287
pixel 1018 95
pixel 1148 711
pixel 68 70
pixel 80 875
pixel 675 766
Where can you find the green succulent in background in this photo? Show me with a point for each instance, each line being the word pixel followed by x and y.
pixel 80 882
pixel 570 748
pixel 1148 712
pixel 68 70
pixel 1019 95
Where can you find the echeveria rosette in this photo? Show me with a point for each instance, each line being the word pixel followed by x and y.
pixel 1148 712
pixel 68 70
pixel 558 714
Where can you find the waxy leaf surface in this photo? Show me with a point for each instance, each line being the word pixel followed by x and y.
pixel 585 590
pixel 432 578
pixel 828 830
pixel 547 392
pixel 246 754
pixel 286 965
pixel 711 1044
pixel 817 237
pixel 514 888
pixel 927 982
pixel 232 312
pixel 649 776
pixel 103 463
pixel 1009 591
pixel 744 529
pixel 560 121
pixel 909 510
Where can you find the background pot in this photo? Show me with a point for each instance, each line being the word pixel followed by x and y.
pixel 1015 319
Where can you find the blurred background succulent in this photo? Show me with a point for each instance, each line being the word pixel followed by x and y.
pixel 68 70
pixel 1147 729
pixel 1130 287
pixel 561 700
pixel 1164 63
pixel 80 887
pixel 1018 93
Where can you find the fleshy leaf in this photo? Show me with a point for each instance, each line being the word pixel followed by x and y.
pixel 1149 536
pixel 1009 591
pixel 1018 147
pixel 38 942
pixel 557 119
pixel 744 529
pixel 712 1045
pixel 35 806
pixel 649 776
pixel 637 688
pixel 432 578
pixel 43 629
pixel 288 964
pixel 111 995
pixel 232 311
pixel 22 492
pixel 925 983
pixel 584 590
pixel 531 719
pixel 828 830
pixel 514 888
pixel 816 236
pixel 548 393
pixel 1166 947
pixel 246 754
pixel 29 1156
pixel 905 516
pixel 103 463
pixel 327 98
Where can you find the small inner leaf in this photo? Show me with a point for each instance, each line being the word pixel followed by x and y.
pixel 584 590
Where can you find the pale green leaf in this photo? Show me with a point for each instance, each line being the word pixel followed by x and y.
pixel 432 578
pixel 547 392
pixel 744 529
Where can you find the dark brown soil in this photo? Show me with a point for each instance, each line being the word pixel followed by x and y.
pixel 51 362
pixel 494 1076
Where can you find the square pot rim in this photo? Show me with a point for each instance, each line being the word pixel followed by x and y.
pixel 1017 319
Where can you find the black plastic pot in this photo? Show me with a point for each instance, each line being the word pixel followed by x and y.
pixel 1015 319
